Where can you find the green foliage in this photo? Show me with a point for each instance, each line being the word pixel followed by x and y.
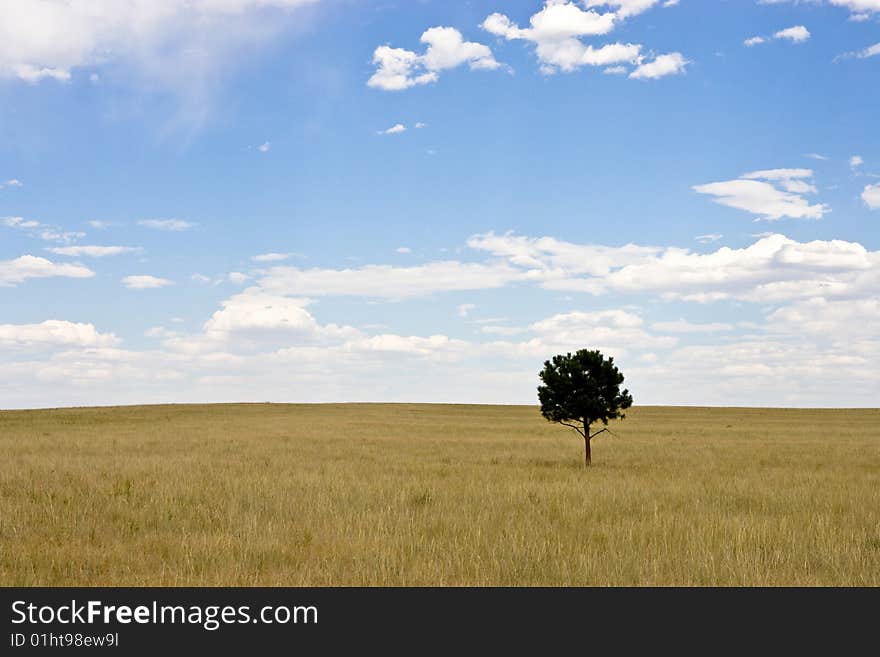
pixel 583 388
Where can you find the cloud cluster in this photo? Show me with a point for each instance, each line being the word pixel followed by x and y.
pixel 795 34
pixel 55 332
pixel 398 68
pixel 558 30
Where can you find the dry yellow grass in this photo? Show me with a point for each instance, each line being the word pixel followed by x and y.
pixel 436 495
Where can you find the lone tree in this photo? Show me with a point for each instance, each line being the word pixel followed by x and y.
pixel 581 389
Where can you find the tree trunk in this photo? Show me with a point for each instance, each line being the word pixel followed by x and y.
pixel 587 459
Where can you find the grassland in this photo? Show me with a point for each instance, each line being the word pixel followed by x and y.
pixel 436 495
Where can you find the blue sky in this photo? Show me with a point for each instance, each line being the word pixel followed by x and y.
pixel 331 200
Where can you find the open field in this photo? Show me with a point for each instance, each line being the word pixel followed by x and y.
pixel 436 495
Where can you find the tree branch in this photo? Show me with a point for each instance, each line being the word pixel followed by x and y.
pixel 598 432
pixel 575 427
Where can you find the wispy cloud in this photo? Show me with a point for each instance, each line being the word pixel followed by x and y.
pixel 145 282
pixel 770 194
pixel 174 225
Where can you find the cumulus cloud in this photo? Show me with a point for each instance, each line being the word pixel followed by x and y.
pixel 855 162
pixel 12 182
pixel 770 194
pixel 92 251
pixel 175 225
pixel 13 272
pixel 260 312
pixel 145 282
pixel 396 129
pixel 398 68
pixel 871 196
pixel 670 64
pixel 55 333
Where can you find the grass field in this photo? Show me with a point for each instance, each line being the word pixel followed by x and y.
pixel 436 495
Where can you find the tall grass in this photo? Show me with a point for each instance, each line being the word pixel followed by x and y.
pixel 436 495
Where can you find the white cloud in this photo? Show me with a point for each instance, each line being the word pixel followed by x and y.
pixel 419 125
pixel 661 66
pixel 627 8
pixel 544 257
pixel 818 300
pixel 55 333
pixel 615 70
pixel 859 7
pixel 13 272
pixel 175 225
pixel 399 344
pixel 396 129
pixel 387 282
pixel 238 277
pixel 556 32
pixel 43 231
pixel 774 268
pixel 100 225
pixel 815 156
pixel 265 147
pixel 48 39
pixel 684 326
pixel 145 282
pixel 558 29
pixel 12 182
pixel 464 309
pixel 403 250
pixel 795 34
pixel 20 222
pixel 706 239
pixel 92 251
pixel 612 331
pixel 270 257
pixel 835 320
pixel 864 53
pixel 249 311
pixel 200 278
pixel 398 68
pixel 856 161
pixel 771 194
pixel 871 196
